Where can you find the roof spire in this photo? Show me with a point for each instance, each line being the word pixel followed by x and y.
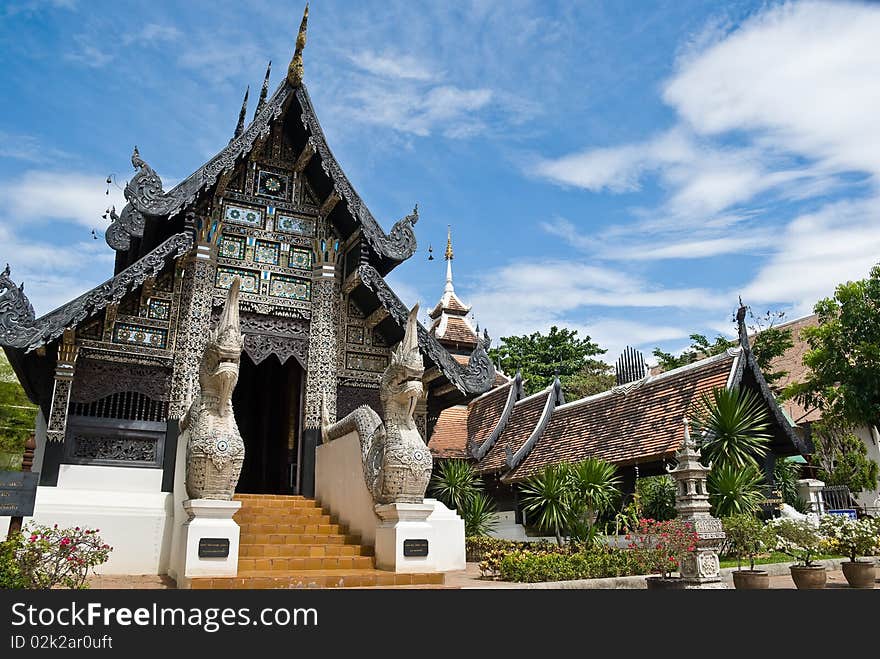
pixel 239 129
pixel 449 256
pixel 295 69
pixel 264 91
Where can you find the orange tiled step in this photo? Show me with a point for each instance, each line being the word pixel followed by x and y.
pixel 254 530
pixel 319 579
pixel 248 550
pixel 285 563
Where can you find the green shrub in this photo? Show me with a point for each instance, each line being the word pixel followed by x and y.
pixel 48 557
pixel 657 497
pixel 479 515
pixel 10 573
pixel 526 566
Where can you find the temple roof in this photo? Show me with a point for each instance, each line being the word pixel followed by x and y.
pixel 450 323
pixel 149 202
pixel 638 422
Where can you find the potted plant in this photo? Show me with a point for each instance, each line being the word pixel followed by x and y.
pixel 854 538
pixel 801 539
pixel 747 536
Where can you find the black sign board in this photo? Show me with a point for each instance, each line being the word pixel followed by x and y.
pixel 18 490
pixel 415 547
pixel 213 547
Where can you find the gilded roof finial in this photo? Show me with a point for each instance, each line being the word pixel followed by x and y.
pixel 239 128
pixel 295 70
pixel 449 255
pixel 264 91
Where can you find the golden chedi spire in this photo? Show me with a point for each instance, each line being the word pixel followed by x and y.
pixel 295 70
pixel 449 255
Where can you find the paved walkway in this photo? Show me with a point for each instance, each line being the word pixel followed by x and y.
pixel 470 579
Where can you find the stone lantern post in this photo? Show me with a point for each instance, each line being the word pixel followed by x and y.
pixel 700 569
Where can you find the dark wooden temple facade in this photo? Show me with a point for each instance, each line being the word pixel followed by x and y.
pixel 114 369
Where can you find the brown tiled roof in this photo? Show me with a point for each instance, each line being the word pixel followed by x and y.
pixel 793 362
pixel 454 305
pixel 450 433
pixel 522 423
pixel 485 412
pixel 457 331
pixel 641 421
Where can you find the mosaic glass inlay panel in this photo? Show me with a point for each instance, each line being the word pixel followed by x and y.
pixel 274 185
pixel 232 247
pixel 159 309
pixel 300 258
pixel 291 288
pixel 250 280
pixel 357 361
pixel 266 252
pixel 249 217
pixel 137 335
pixel 301 226
pixel 354 334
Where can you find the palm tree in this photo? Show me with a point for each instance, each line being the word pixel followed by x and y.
pixel 734 424
pixel 735 490
pixel 455 483
pixel 547 495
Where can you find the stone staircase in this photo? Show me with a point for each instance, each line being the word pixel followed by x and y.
pixel 291 542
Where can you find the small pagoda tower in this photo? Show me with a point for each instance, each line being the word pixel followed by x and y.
pixel 699 568
pixel 450 324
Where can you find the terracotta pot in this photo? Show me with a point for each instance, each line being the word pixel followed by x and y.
pixel 665 583
pixel 808 578
pixel 751 579
pixel 860 574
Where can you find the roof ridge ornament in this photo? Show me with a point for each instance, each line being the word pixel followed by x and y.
pixel 239 128
pixel 264 92
pixel 295 69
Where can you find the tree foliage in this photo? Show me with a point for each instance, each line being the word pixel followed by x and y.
pixel 17 413
pixel 541 356
pixel 844 355
pixel 768 343
pixel 841 457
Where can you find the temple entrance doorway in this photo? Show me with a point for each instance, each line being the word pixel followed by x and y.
pixel 267 410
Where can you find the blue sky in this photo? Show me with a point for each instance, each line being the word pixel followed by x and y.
pixel 623 168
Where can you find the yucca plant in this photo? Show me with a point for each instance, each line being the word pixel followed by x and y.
pixel 546 497
pixel 735 490
pixel 735 424
pixel 479 515
pixel 455 483
pixel 593 484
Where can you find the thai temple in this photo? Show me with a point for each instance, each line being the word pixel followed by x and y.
pixel 114 369
pixel 274 216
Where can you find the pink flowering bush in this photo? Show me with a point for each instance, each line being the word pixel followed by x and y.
pixel 659 546
pixel 49 557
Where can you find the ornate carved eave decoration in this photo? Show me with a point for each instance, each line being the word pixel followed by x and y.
pixel 19 328
pixel 748 361
pixel 513 394
pixel 554 398
pixel 144 192
pixel 400 243
pixel 146 197
pixel 476 378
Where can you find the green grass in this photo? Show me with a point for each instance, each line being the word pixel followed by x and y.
pixel 775 557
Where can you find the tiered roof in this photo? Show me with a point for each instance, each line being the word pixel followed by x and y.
pixel 450 322
pixel 638 422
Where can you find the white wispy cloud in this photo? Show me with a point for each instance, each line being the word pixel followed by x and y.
pixel 391 65
pixel 37 196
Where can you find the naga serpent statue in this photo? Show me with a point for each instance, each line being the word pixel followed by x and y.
pixel 214 448
pixel 397 463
